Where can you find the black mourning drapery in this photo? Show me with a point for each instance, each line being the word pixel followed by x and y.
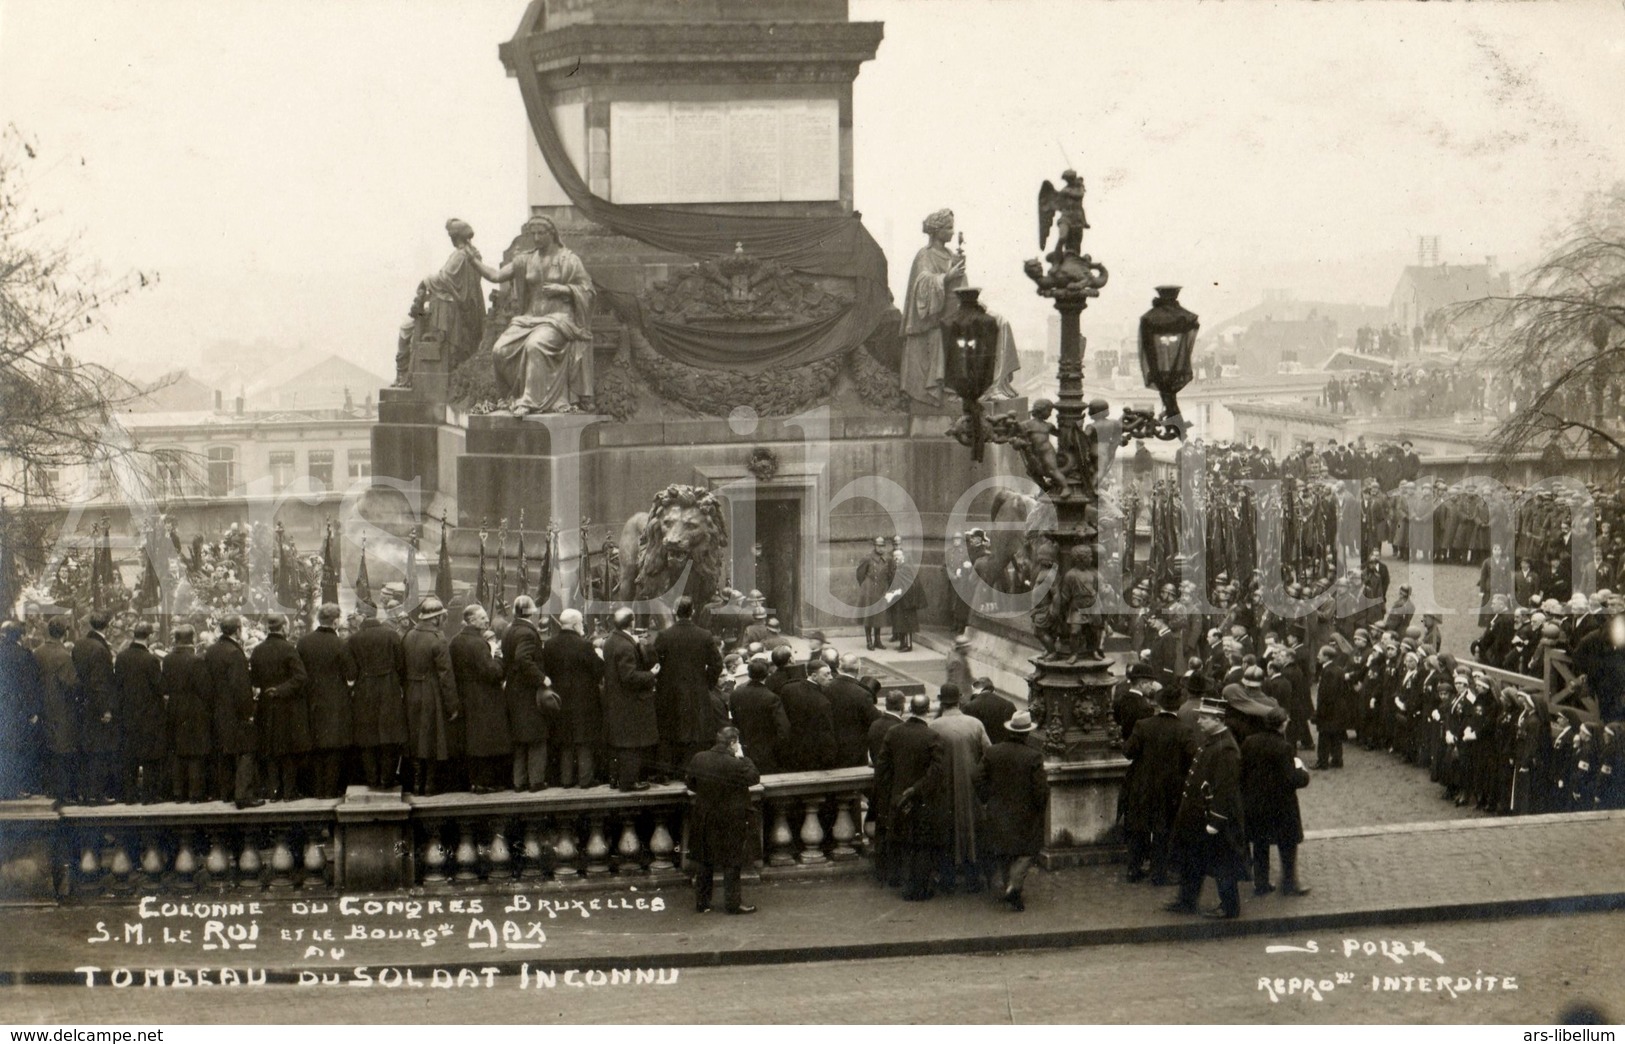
pixel 816 246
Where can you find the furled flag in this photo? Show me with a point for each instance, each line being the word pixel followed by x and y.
pixel 330 566
pixel 363 584
pixel 523 582
pixel 442 569
pixel 482 587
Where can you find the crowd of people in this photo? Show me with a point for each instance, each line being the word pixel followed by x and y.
pixel 525 704
pixel 1413 392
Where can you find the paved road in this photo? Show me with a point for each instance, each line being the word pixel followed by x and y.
pixel 1553 962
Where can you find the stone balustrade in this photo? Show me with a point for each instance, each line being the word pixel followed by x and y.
pixel 807 823
pixel 119 850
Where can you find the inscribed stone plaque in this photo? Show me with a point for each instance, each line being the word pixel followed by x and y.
pixel 717 152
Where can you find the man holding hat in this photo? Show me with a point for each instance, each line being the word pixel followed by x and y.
pixel 1014 788
pixel 431 696
pixel 1208 830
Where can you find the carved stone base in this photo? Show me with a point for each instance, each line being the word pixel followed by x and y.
pixel 1070 699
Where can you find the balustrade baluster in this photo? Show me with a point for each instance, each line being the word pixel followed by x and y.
pixel 844 830
pixel 152 860
pixel 119 866
pixel 315 860
pixel 282 861
pixel 468 856
pixel 661 847
pixel 434 855
pixel 812 832
pixel 629 849
pixel 781 844
pixel 498 856
pixel 186 862
pixel 565 851
pixel 597 847
pixel 91 878
pixel 249 864
pixel 217 863
pixel 530 852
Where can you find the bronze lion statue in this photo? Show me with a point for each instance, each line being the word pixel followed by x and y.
pixel 677 547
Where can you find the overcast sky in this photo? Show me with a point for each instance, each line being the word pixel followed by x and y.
pixel 287 166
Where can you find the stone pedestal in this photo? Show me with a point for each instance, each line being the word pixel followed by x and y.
pixel 417 438
pixel 374 841
pixel 27 833
pixel 1081 821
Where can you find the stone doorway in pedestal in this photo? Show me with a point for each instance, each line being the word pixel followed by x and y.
pixel 777 555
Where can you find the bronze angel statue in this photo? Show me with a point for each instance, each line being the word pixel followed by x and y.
pixel 1062 207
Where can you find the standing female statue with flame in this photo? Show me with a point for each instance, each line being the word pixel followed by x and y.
pixel 543 360
pixel 930 301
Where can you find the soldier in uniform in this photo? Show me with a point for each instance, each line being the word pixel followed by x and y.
pixel 1209 831
pixel 874 579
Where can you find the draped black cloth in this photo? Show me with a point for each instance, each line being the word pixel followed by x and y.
pixel 813 246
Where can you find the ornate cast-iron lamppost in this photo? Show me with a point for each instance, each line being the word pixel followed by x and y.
pixel 1070 689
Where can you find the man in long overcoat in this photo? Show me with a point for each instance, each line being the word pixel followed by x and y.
pixel 146 735
pixel 527 725
pixel 852 710
pixel 1160 751
pixel 1014 788
pixel 719 832
pixel 186 692
pixel 887 868
pixel 690 664
pixel 380 700
pixel 59 688
pixel 20 687
pixel 478 674
pixel 1334 700
pixel 236 727
pixel 910 781
pixel 906 596
pixel 432 703
pixel 811 743
pixel 758 712
pixel 101 720
pixel 1209 833
pixel 630 727
pixel 989 708
pixel 874 579
pixel 964 742
pixel 1271 776
pixel 330 671
pixel 577 673
pixel 278 676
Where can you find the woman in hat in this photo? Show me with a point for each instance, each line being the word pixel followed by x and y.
pixel 1014 789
